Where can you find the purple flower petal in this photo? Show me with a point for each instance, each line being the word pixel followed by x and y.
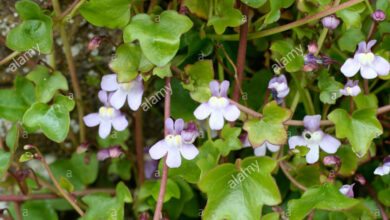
pixel 231 112
pixel 214 87
pixel 381 66
pixel 120 122
pixel 202 111
pixel 103 97
pixel 368 73
pixel 272 147
pixel 134 97
pixel 103 154
pixel 216 120
pixel 189 151
pixel 362 47
pixel 313 154
pixel 284 93
pixel 179 125
pixel 369 45
pixel 118 99
pixel 382 170
pixel 386 161
pixel 312 122
pixel 174 158
pixel 92 120
pixel 169 125
pixel 296 141
pixel 104 128
pixel 350 67
pixel 115 152
pixel 158 150
pixel 224 88
pixel 347 190
pixel 260 151
pixel 329 144
pixel 109 82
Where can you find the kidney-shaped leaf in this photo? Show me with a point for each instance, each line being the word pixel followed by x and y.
pixel 159 37
pixel 226 16
pixel 126 62
pixel 240 193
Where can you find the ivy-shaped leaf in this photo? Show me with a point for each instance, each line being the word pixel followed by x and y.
pixel 226 16
pixel 250 187
pixel 152 188
pixel 330 88
pixel 5 158
pixel 53 119
pixel 126 62
pixel 270 128
pixel 360 128
pixel 229 141
pixel 366 101
pixel 200 8
pixel 159 37
pixel 47 83
pixel 15 102
pixel 324 197
pixel 102 13
pixel 163 72
pixel 351 15
pixel 287 55
pixel 274 14
pixel 121 167
pixel 350 39
pixel 349 161
pixel 254 3
pixel 34 33
pixel 37 210
pixel 200 75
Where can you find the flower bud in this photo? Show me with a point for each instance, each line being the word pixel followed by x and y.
pixel 94 43
pixel 28 147
pixel 111 152
pixel 347 190
pixel 378 15
pixel 330 22
pixel 332 160
pixel 82 148
pixel 190 134
pixel 310 67
pixel 312 47
pixel 360 178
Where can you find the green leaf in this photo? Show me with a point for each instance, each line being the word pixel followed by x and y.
pixel 289 57
pixel 163 72
pixel 11 137
pixel 46 83
pixel 172 190
pixel 123 193
pixel 15 102
pixel 384 196
pixel 182 106
pixel 38 210
pixel 351 15
pixel 188 170
pixel 26 157
pixel 324 197
pixel 65 184
pixel 126 62
pixel 254 3
pixel 274 14
pixel 226 16
pixel 366 101
pixel 102 13
pixel 271 216
pixel 87 171
pixel 350 39
pixel 53 119
pixel 159 37
pixel 116 138
pixel 349 161
pixel 301 151
pixel 330 89
pixel 102 206
pixel 250 187
pixel 270 128
pixel 121 167
pixel 5 158
pixel 207 158
pixel 229 141
pixel 200 8
pixel 200 75
pixel 308 175
pixel 34 33
pixel 360 128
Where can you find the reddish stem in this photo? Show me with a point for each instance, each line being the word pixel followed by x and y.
pixel 164 178
pixel 378 203
pixel 241 54
pixel 138 145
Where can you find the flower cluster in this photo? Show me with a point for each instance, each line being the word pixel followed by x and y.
pixel 114 96
pixel 384 169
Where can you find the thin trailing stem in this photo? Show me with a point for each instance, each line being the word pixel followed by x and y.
pixel 164 178
pixel 138 145
pixel 64 194
pixel 300 22
pixel 286 173
pixel 9 57
pixel 241 54
pixel 73 74
pixel 71 11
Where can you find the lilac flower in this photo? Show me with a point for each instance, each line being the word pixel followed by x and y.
pixel 312 47
pixel 378 15
pixel 384 169
pixel 260 150
pixel 314 138
pixel 94 43
pixel 370 66
pixel 279 87
pixel 347 190
pixel 106 117
pixel 218 106
pixel 190 134
pixel 111 152
pixel 330 22
pixel 132 90
pixel 173 145
pixel 151 165
pixel 351 88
